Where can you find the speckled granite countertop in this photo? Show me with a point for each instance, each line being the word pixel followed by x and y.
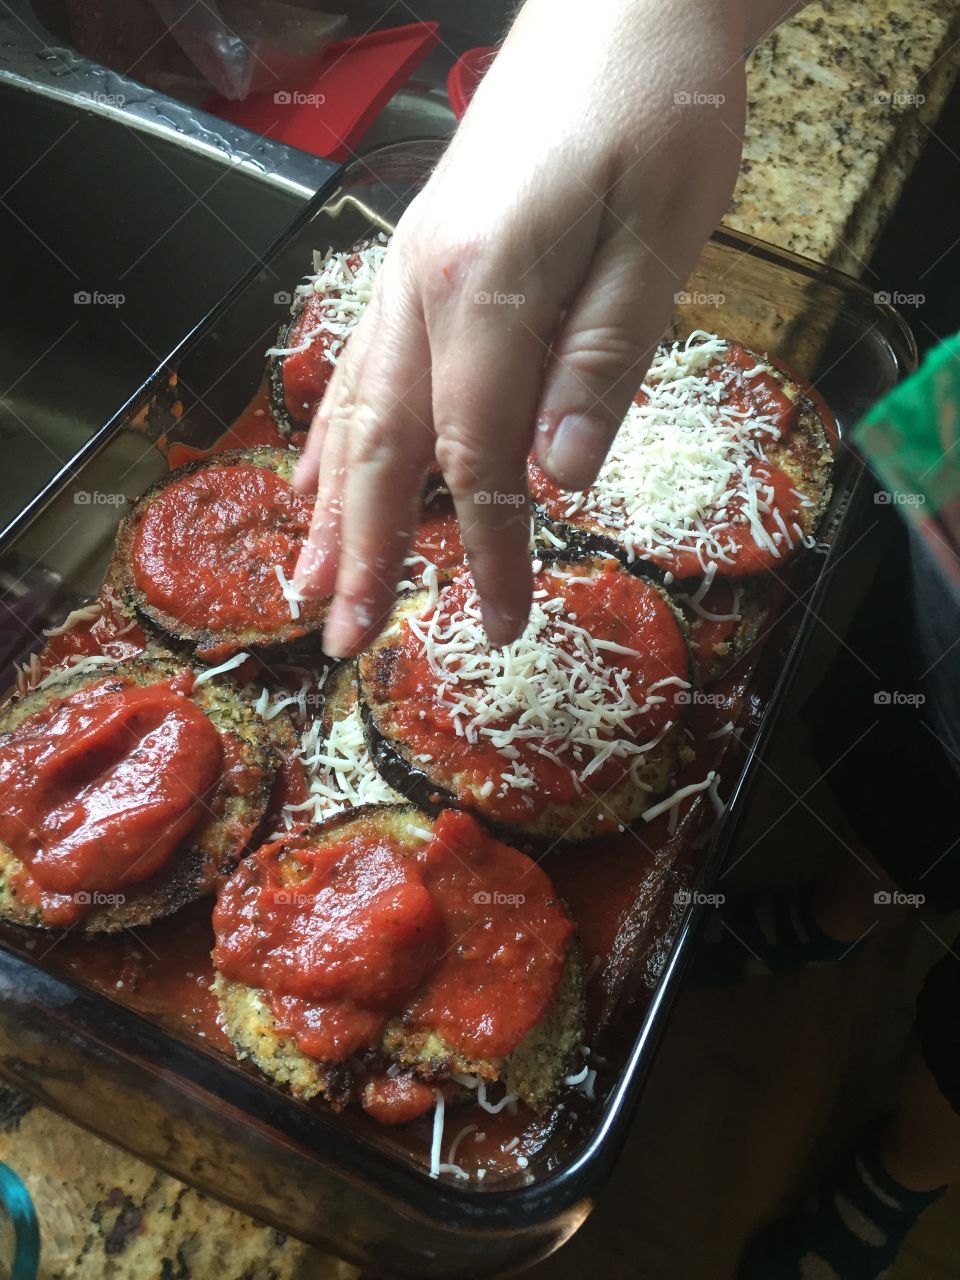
pixel 836 123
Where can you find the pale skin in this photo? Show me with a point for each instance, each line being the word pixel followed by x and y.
pixel 568 184
pixel 581 181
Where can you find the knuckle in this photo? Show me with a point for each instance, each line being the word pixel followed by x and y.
pixel 463 463
pixel 443 266
pixel 374 437
pixel 605 357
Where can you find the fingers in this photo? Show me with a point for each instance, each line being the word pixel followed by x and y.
pixel 486 383
pixel 600 357
pixel 381 435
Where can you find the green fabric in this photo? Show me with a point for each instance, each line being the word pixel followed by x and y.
pixel 910 438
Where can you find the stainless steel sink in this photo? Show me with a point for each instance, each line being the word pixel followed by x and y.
pixel 125 216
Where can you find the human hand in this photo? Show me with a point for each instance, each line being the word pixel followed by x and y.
pixel 523 295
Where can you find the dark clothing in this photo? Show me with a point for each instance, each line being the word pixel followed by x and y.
pixel 891 702
pixel 881 721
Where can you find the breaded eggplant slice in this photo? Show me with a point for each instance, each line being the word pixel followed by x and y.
pixel 212 848
pixel 325 310
pixel 285 635
pixel 598 805
pixel 805 455
pixel 532 1071
pixel 739 616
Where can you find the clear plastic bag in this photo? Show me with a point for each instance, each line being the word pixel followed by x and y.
pixel 242 47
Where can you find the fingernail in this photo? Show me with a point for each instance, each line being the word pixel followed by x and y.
pixel 500 627
pixel 340 631
pixel 576 450
pixel 300 480
pixel 314 575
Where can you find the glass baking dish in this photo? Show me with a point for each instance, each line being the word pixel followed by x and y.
pixel 342 1182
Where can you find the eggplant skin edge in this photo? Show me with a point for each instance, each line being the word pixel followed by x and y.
pixel 283 420
pixel 210 849
pixel 294 638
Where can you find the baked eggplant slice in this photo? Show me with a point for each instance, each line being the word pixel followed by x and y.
pixel 97 755
pixel 573 730
pixel 205 557
pixel 378 978
pixel 326 308
pixel 722 463
pixel 725 621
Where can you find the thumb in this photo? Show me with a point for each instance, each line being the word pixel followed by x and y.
pixel 600 357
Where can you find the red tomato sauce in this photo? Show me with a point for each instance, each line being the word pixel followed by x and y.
pixel 761 394
pixel 337 944
pixel 206 547
pixel 396 1099
pixel 306 373
pixel 614 607
pixel 506 937
pixel 709 634
pixel 437 537
pixel 254 427
pixel 99 787
pixel 164 972
pixel 744 555
pixel 464 936
pixel 111 635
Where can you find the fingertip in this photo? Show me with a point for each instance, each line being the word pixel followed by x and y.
pixel 349 628
pixel 306 474
pixel 316 571
pixel 506 610
pixel 503 627
pixel 573 452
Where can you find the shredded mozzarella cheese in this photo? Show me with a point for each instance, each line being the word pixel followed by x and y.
pixel 290 593
pixel 231 664
pixel 339 771
pixel 680 475
pixel 556 688
pixel 671 802
pixel 345 282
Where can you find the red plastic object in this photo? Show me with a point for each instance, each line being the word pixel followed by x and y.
pixel 329 110
pixel 465 74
